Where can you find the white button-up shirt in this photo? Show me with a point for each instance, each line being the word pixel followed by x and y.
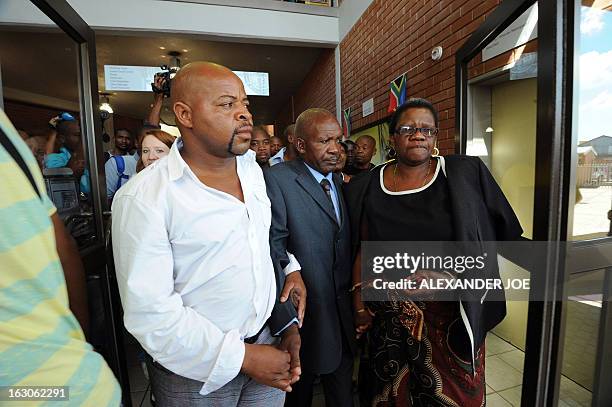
pixel 277 158
pixel 193 266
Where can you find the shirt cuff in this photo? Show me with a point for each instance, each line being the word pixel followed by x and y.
pixel 228 364
pixel 293 265
pixel 293 321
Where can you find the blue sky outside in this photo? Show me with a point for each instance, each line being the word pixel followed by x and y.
pixel 595 74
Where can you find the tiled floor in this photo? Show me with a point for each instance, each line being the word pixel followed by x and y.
pixel 504 367
pixel 504 374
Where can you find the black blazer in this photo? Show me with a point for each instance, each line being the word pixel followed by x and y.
pixel 481 213
pixel 304 223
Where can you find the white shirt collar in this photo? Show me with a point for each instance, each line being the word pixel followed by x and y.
pixel 176 164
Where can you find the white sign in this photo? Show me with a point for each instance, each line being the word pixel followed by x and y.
pixel 368 107
pixel 521 31
pixel 129 78
pixel 139 78
pixel 255 83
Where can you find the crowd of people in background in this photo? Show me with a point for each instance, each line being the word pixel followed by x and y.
pixel 240 275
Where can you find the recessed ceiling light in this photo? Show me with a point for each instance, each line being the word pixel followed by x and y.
pixel 185 50
pixel 162 47
pixel 163 56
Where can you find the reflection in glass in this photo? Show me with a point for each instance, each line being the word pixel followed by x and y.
pixel 40 90
pixel 594 127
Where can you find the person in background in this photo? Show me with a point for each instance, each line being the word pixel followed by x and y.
pixel 309 218
pixel 124 143
pixel 154 118
pixel 24 136
pixel 37 147
pixel 342 163
pixel 289 152
pixel 64 149
pixel 260 143
pixel 198 228
pixel 154 144
pixel 420 197
pixel 70 152
pixel 42 286
pixel 276 143
pixel 350 153
pixel 118 171
pixel 365 148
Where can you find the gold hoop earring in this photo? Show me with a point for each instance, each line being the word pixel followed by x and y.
pixel 436 152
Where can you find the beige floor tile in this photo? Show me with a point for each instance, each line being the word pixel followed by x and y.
pixel 514 358
pixel 495 400
pixel 512 396
pixel 573 394
pixel 489 390
pixel 495 345
pixel 499 375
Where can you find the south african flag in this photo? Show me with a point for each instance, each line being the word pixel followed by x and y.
pixel 346 119
pixel 397 95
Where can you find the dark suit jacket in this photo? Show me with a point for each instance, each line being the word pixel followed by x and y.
pixel 304 223
pixel 480 213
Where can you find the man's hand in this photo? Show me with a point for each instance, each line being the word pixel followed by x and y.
pixel 158 85
pixel 294 287
pixel 291 342
pixel 267 365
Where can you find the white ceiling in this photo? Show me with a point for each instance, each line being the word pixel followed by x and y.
pixel 44 62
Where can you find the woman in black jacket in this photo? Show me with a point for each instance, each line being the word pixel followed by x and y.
pixel 427 352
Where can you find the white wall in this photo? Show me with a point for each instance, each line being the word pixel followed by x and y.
pixel 179 17
pixel 206 19
pixel 350 12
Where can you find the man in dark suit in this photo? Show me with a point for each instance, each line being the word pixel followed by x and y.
pixel 310 220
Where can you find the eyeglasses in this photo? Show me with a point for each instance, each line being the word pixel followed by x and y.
pixel 411 131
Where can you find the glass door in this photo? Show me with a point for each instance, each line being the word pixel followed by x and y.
pixel 48 69
pixel 587 335
pixel 532 85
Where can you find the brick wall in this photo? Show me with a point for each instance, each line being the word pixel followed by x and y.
pixel 393 37
pixel 317 90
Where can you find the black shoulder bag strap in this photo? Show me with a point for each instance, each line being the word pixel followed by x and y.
pixel 10 148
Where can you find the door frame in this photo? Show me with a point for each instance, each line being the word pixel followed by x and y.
pixel 545 321
pixel 69 21
pixel 95 256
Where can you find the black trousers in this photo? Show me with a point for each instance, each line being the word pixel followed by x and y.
pixel 337 385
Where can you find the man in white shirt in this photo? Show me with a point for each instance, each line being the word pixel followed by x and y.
pixel 191 247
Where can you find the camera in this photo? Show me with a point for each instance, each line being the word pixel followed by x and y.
pixel 167 74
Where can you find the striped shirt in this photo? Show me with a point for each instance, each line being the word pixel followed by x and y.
pixel 41 342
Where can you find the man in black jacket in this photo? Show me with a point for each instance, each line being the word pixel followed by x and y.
pixel 309 219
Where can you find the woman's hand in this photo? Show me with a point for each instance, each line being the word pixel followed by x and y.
pixel 362 317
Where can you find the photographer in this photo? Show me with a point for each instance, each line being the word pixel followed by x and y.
pixel 161 89
pixel 122 167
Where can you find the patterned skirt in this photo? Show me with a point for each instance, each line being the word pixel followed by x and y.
pixel 419 355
